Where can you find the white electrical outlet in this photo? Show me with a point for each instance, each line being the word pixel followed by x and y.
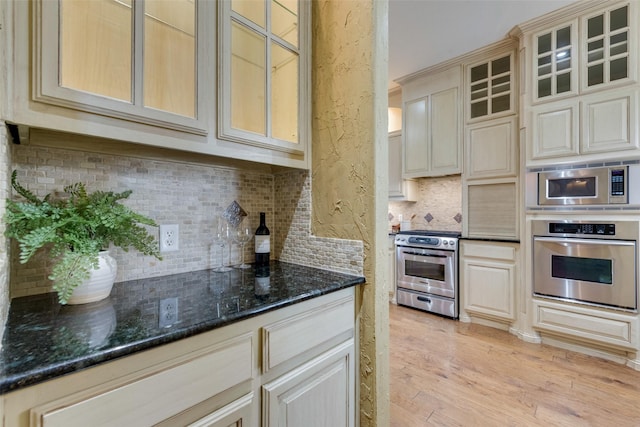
pixel 168 312
pixel 169 238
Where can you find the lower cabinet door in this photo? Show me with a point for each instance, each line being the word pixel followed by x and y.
pixel 317 394
pixel 488 272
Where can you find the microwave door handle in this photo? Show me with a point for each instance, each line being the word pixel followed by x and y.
pixel 586 241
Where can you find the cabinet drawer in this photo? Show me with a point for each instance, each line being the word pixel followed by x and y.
pixel 298 334
pixel 613 329
pixel 158 396
pixel 489 250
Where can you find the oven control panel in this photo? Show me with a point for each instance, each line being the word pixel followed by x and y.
pixel 426 241
pixel 582 228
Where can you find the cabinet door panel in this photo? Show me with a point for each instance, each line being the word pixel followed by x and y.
pixel 555 131
pixel 317 394
pixel 399 189
pixel 489 287
pixel 445 132
pixel 395 166
pixel 416 131
pixel 492 149
pixel 554 62
pixel 138 61
pixel 608 123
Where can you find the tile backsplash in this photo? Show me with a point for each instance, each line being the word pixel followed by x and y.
pixel 188 194
pixel 438 205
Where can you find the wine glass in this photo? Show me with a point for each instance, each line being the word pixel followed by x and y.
pixel 222 236
pixel 242 236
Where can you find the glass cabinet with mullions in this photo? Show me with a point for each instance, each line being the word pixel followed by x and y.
pixel 607 46
pixel 491 87
pixel 554 62
pixel 599 56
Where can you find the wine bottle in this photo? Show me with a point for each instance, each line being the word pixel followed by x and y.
pixel 262 242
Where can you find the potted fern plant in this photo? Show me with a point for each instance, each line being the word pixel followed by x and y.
pixel 77 227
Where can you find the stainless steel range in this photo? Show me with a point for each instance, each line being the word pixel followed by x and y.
pixel 427 271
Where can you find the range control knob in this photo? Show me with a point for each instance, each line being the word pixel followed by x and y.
pixel 445 242
pixel 451 242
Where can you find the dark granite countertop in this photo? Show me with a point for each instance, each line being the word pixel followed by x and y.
pixel 44 340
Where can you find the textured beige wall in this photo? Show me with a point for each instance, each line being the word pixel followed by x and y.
pixel 350 168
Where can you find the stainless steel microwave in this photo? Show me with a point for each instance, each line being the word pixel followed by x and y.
pixel 610 185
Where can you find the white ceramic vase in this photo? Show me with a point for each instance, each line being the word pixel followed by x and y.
pixel 99 284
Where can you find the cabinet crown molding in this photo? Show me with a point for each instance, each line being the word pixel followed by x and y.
pixel 501 45
pixel 561 15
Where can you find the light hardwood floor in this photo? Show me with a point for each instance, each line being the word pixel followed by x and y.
pixel 448 373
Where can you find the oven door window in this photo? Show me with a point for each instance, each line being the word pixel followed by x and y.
pixel 424 270
pixel 593 270
pixel 572 187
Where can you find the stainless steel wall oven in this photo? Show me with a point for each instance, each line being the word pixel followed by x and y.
pixel 427 271
pixel 589 262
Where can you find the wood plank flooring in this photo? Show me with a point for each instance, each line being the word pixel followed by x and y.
pixel 448 373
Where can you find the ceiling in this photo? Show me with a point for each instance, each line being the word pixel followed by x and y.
pixel 426 32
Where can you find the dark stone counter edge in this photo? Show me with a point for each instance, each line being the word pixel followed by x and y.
pixel 35 376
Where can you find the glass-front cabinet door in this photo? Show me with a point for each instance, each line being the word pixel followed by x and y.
pixel 264 82
pixel 607 38
pixel 135 60
pixel 491 87
pixel 554 67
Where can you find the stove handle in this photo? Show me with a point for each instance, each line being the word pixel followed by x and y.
pixel 423 254
pixel 424 299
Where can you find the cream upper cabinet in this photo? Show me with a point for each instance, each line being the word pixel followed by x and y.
pixel 264 55
pixel 135 60
pixel 490 189
pixel 153 73
pixel 432 123
pixel 399 189
pixel 581 101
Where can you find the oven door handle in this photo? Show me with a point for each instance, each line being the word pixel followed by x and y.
pixel 423 254
pixel 585 241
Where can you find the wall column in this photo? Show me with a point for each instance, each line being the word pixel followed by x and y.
pixel 350 169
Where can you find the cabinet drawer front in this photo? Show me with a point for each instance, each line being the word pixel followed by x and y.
pixel 158 396
pixel 298 334
pixel 493 251
pixel 605 328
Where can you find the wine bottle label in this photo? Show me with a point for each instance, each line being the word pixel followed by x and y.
pixel 263 244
